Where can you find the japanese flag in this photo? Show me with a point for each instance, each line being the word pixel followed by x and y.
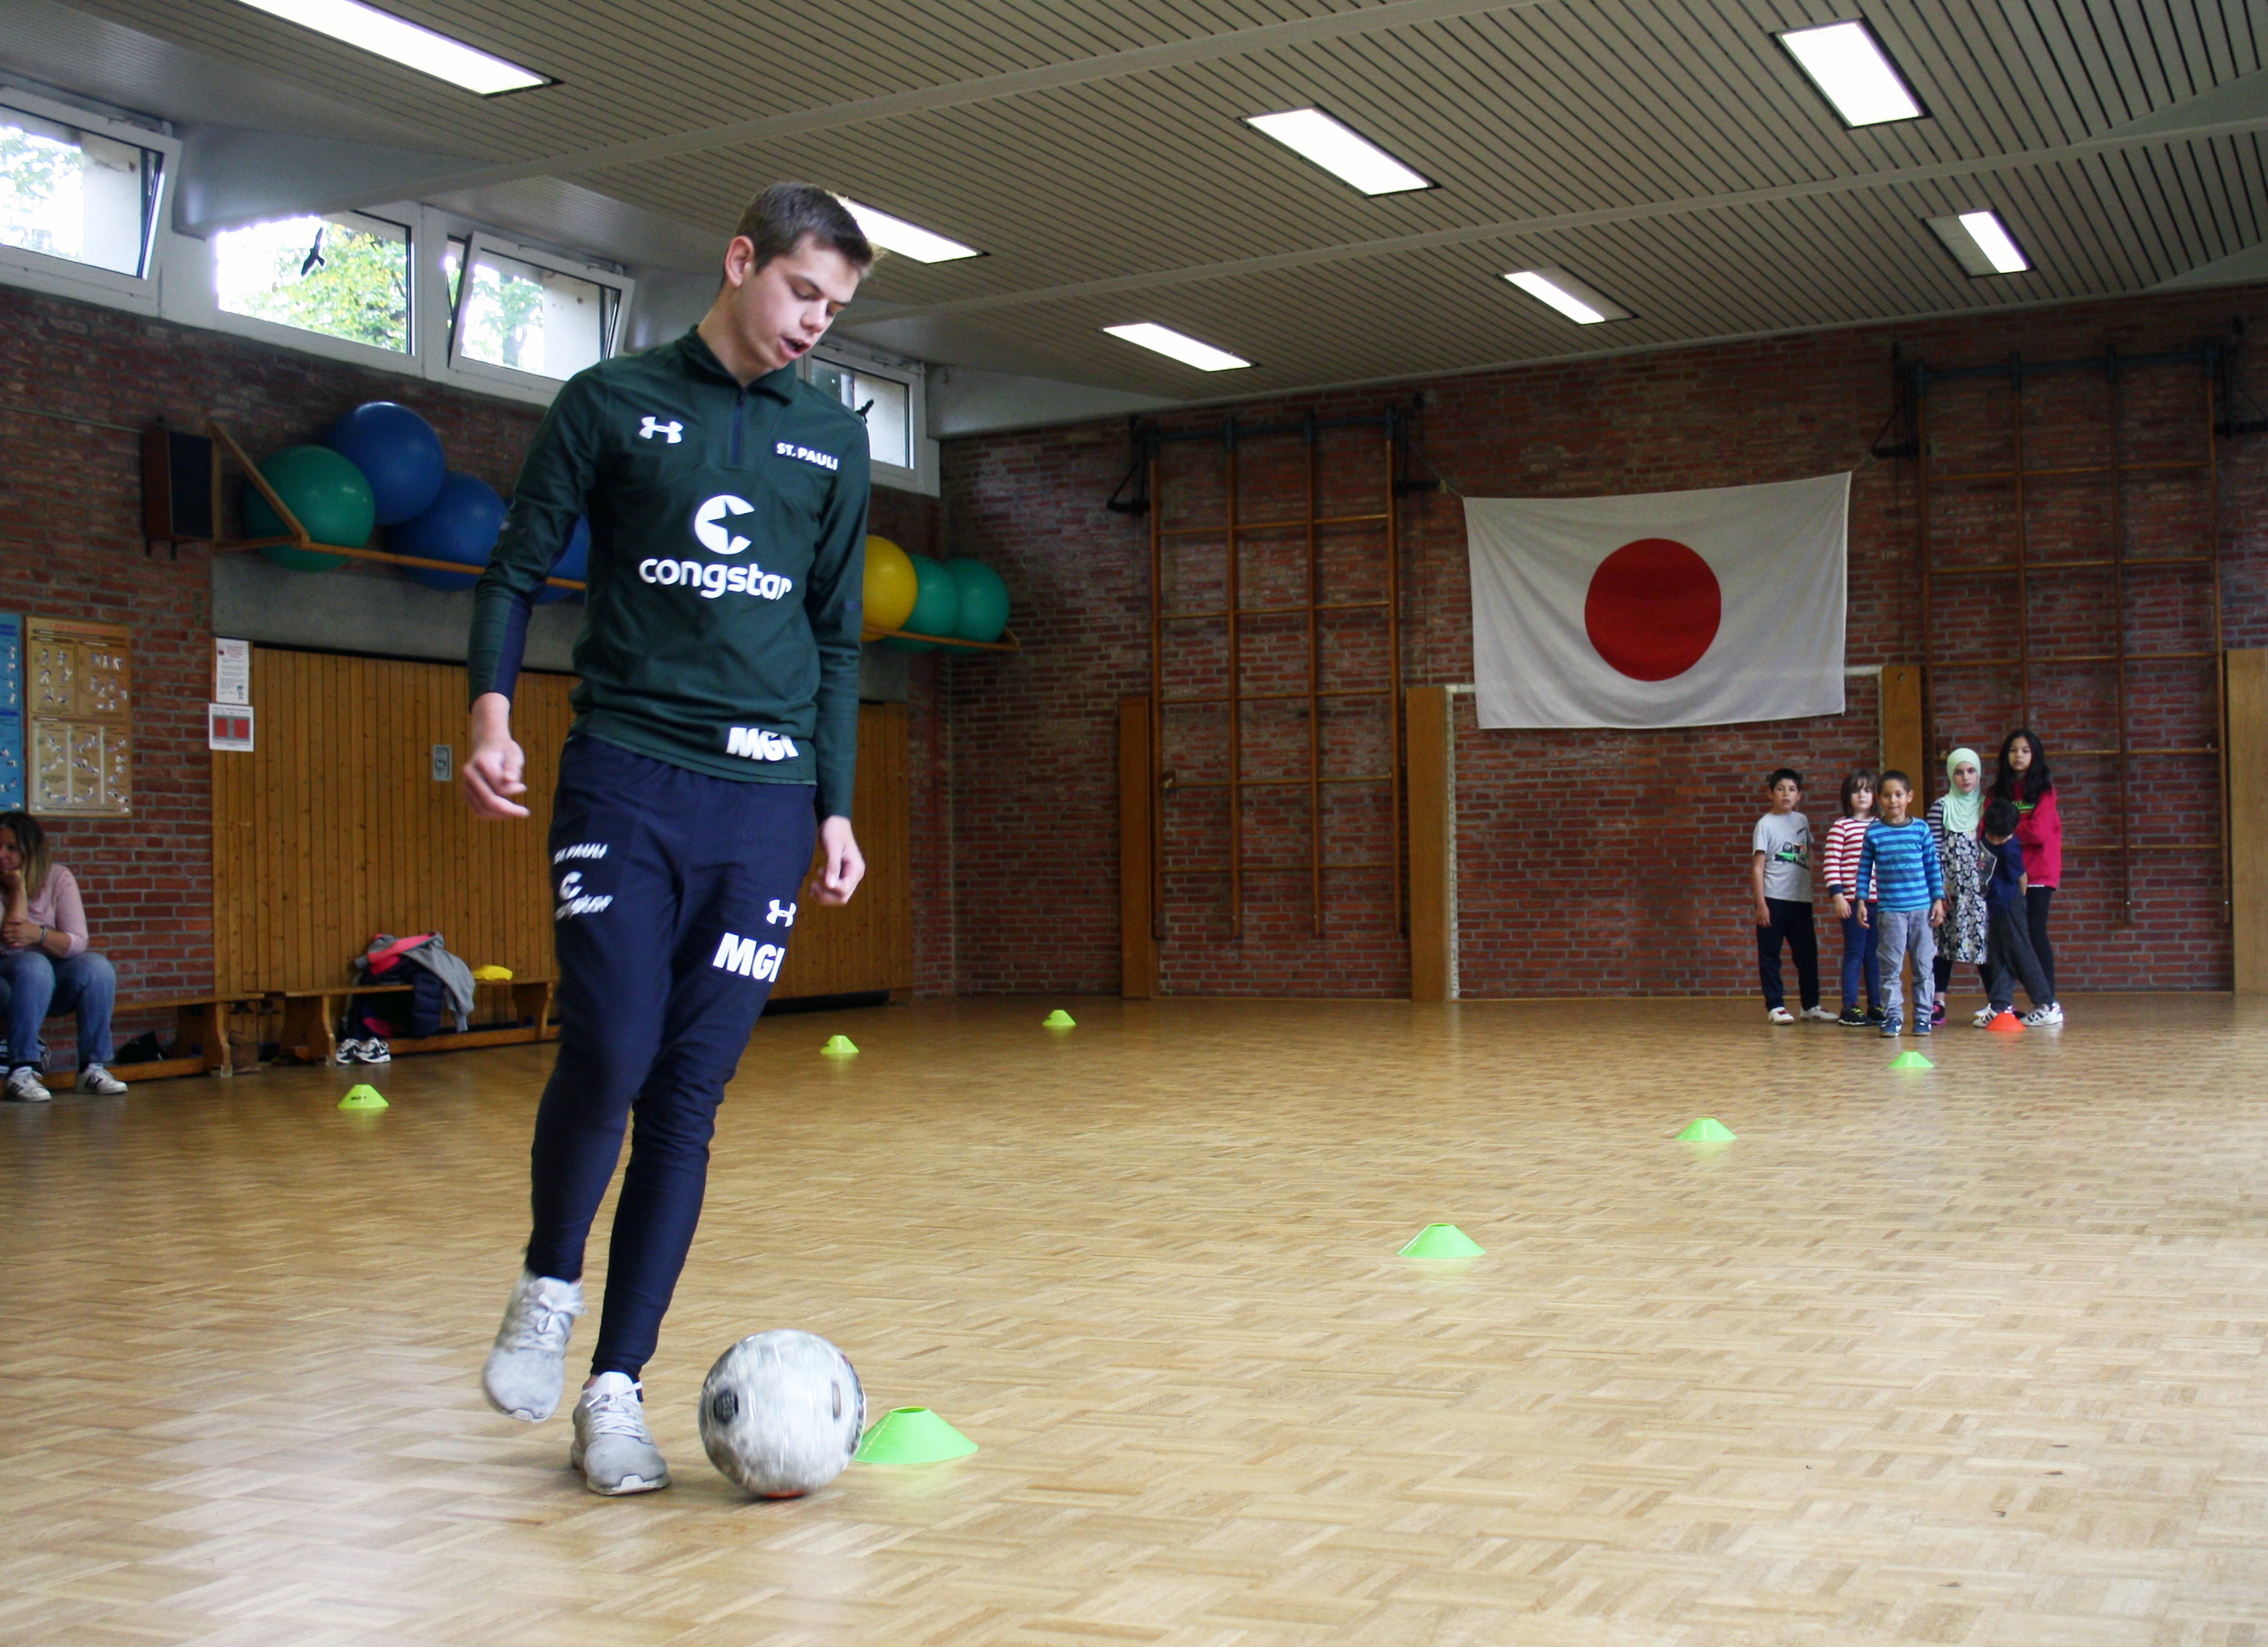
pixel 1670 609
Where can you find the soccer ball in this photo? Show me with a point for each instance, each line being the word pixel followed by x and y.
pixel 781 1413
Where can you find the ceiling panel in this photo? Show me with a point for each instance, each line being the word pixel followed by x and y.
pixel 1666 150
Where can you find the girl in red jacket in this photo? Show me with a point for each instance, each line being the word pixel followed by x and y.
pixel 2023 778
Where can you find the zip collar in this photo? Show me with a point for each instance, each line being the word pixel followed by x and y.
pixel 699 357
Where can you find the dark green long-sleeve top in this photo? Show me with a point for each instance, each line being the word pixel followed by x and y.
pixel 728 534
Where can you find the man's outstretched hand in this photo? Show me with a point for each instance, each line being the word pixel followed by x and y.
pixel 845 866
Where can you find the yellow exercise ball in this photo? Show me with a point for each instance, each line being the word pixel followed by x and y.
pixel 891 586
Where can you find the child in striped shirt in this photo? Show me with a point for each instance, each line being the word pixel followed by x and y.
pixel 1898 860
pixel 1845 838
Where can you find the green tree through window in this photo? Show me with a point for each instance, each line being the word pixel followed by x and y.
pixel 353 283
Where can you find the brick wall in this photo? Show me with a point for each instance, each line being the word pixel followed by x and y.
pixel 78 384
pixel 1590 862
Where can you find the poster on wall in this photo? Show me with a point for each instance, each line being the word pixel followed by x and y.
pixel 78 717
pixel 11 712
pixel 232 670
pixel 1667 609
pixel 228 726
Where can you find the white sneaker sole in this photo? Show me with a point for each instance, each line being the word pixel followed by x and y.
pixel 622 1488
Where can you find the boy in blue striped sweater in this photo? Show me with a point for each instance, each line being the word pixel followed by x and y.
pixel 1901 852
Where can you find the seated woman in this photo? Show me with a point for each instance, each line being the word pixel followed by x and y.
pixel 46 966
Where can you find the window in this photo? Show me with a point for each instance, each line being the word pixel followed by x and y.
pixel 343 276
pixel 70 192
pixel 886 403
pixel 528 313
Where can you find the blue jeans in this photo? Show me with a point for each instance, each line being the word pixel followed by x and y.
pixel 32 985
pixel 1861 954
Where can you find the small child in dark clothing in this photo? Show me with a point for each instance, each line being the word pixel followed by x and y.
pixel 2010 956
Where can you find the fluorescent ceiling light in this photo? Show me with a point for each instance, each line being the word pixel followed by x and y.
pixel 1853 73
pixel 908 240
pixel 1187 350
pixel 1345 153
pixel 1568 295
pixel 1981 243
pixel 404 42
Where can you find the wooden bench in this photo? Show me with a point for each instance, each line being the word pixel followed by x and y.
pixel 199 1021
pixel 311 1020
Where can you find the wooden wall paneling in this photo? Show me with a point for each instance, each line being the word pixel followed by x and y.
pixel 334 829
pixel 1138 939
pixel 867 944
pixel 2246 706
pixel 1433 846
pixel 1902 730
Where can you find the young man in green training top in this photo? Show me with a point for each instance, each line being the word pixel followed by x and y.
pixel 715 734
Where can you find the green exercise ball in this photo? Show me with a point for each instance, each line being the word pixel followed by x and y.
pixel 983 600
pixel 325 491
pixel 937 607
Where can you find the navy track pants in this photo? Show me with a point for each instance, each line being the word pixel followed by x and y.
pixel 675 895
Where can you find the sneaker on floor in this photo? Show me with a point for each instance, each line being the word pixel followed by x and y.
pixel 374 1051
pixel 1780 1015
pixel 346 1052
pixel 96 1079
pixel 1890 1025
pixel 612 1447
pixel 1874 1015
pixel 1936 1013
pixel 1924 1029
pixel 1819 1015
pixel 24 1086
pixel 1852 1018
pixel 1985 1014
pixel 2043 1017
pixel 528 1361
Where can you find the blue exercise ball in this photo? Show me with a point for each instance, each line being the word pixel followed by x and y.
pixel 399 454
pixel 574 561
pixel 461 525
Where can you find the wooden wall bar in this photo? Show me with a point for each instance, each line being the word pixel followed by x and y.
pixel 2247 708
pixel 1433 845
pixel 336 829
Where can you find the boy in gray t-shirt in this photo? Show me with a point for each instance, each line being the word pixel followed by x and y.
pixel 1779 874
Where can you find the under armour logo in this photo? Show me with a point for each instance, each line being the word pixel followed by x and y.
pixel 779 917
pixel 672 431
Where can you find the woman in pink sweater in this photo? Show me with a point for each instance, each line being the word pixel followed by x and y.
pixel 2023 778
pixel 46 966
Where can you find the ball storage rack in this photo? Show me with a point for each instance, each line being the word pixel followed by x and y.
pixel 299 538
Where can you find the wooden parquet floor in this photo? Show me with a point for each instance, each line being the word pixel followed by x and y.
pixel 1973 1355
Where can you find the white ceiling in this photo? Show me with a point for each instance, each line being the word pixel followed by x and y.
pixel 1667 152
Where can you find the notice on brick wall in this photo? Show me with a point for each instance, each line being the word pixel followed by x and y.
pixel 232 670
pixel 78 702
pixel 228 726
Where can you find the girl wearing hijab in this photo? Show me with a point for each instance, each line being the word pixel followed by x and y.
pixel 1953 820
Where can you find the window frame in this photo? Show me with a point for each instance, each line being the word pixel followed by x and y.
pixel 404 215
pixel 67 278
pixel 451 365
pixel 851 357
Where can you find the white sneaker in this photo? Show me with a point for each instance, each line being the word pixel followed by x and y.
pixel 96 1079
pixel 346 1052
pixel 1819 1015
pixel 1780 1015
pixel 374 1051
pixel 528 1362
pixel 612 1447
pixel 2043 1017
pixel 24 1086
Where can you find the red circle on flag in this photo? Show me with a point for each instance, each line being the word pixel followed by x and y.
pixel 1653 609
